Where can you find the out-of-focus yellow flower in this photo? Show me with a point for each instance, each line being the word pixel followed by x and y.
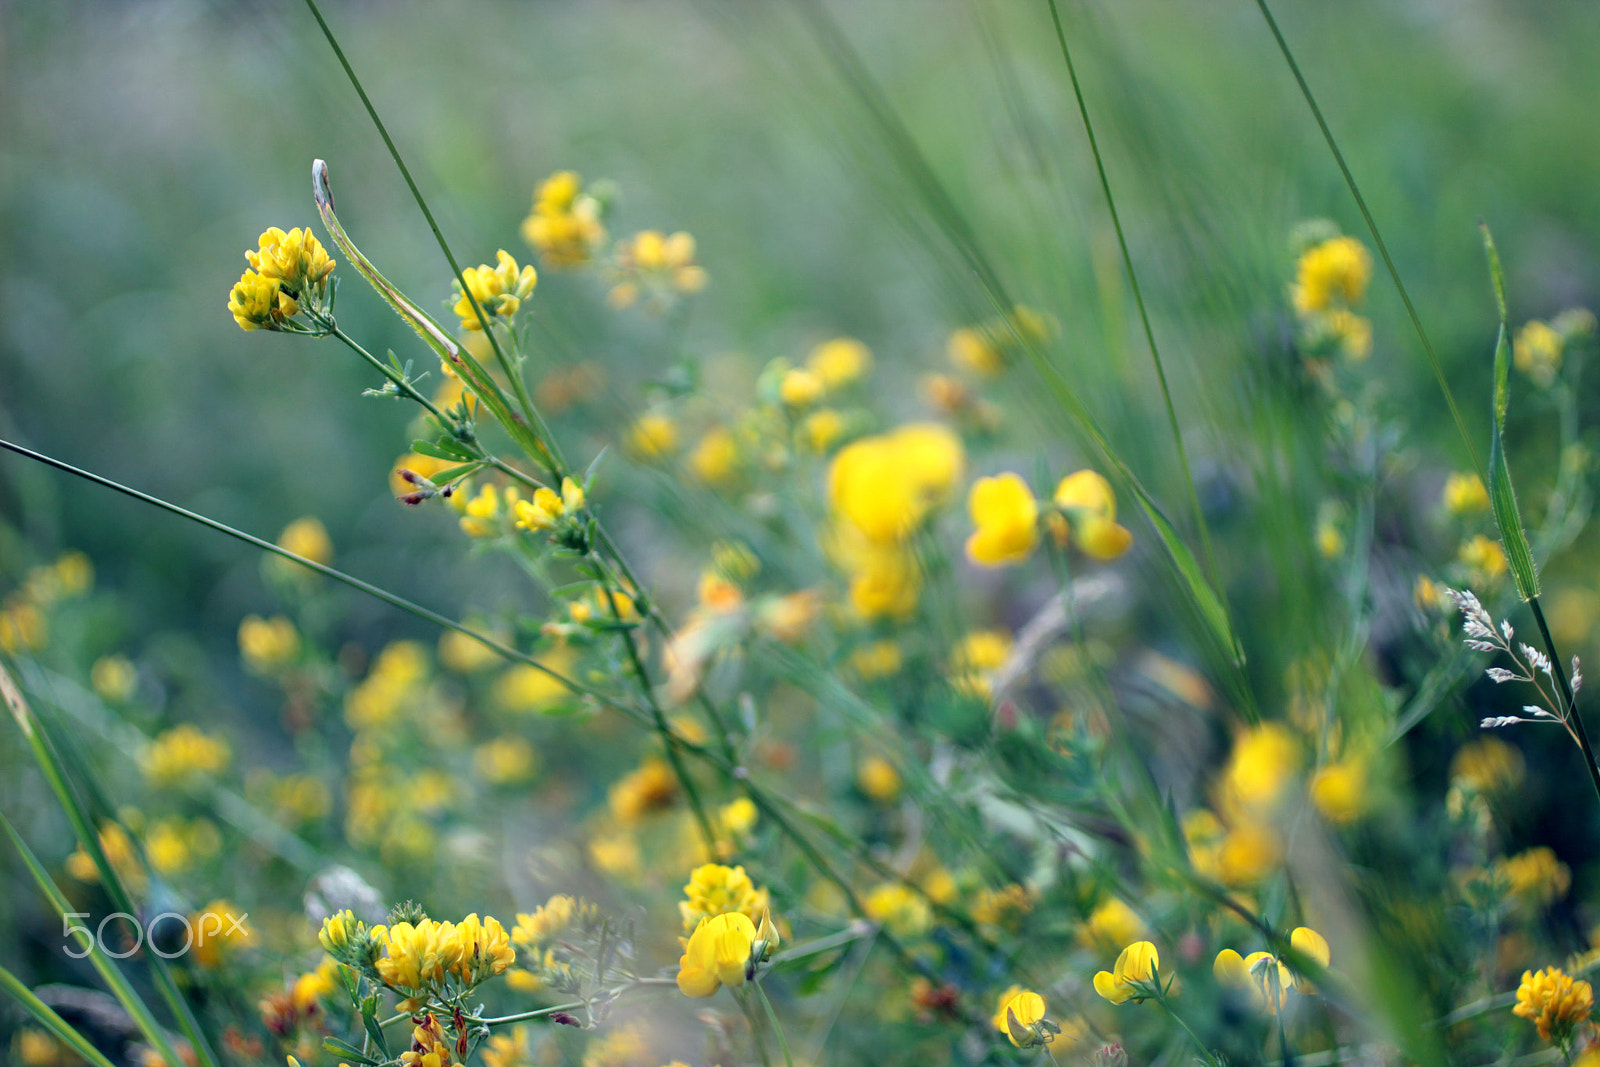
pixel 978 655
pixel 902 911
pixel 650 787
pixel 1554 1002
pixel 523 687
pixel 1007 519
pixel 1267 978
pixel 1535 876
pixel 507 1049
pixel 1487 765
pixel 1352 332
pixel 505 760
pixel 969 349
pixel 1464 492
pixel 1331 274
pixel 1006 906
pixel 183 753
pixel 220 930
pixel 564 225
pixel 717 954
pixel 499 290
pixel 1089 508
pixel 884 486
pixel 113 678
pixel 1026 1008
pixel 715 459
pixel 801 388
pixel 37 1048
pixel 1247 854
pixel 1262 763
pixel 22 626
pixel 268 645
pixel 398 672
pixel 877 778
pixel 819 430
pixel 1110 924
pixel 660 266
pixel 1486 559
pixel 481 512
pixel 463 654
pixel 1138 962
pixel 1339 790
pixel 1537 352
pixel 877 660
pixel 653 436
pixel 884 583
pixel 839 362
pixel 717 890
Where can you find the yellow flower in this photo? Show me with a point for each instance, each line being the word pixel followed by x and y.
pixel 220 930
pixel 1262 763
pixel 1330 274
pixel 654 435
pixel 877 660
pixel 547 507
pixel 296 260
pixel 820 429
pixel 464 654
pixel 716 457
pixel 883 487
pixel 259 303
pixel 397 672
pixel 565 222
pixel 499 290
pixel 507 1049
pixel 1111 923
pixel 1487 765
pixel 900 909
pixel 524 687
pixel 1027 1008
pixel 839 362
pixel 1339 790
pixel 976 658
pixel 718 954
pixel 1247 854
pixel 1464 492
pixel 662 265
pixel 877 778
pixel 268 644
pixel 1537 352
pixel 114 678
pixel 184 752
pixel 717 890
pixel 1136 963
pixel 970 349
pixel 1554 1002
pixel 800 388
pixel 651 787
pixel 1536 876
pixel 1007 519
pixel 1486 558
pixel 505 760
pixel 884 582
pixel 1089 506
pixel 1002 907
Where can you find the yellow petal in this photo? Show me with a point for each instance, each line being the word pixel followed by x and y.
pixel 1230 968
pixel 1107 986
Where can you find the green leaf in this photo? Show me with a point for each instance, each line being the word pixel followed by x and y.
pixel 369 1019
pixel 345 1049
pixel 1502 494
pixel 443 448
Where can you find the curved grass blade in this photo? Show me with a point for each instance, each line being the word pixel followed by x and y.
pixel 108 970
pixel 47 1018
pixel 1502 494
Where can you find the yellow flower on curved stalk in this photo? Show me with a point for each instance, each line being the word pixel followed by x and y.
pixel 1007 519
pixel 1088 510
pixel 1268 978
pixel 718 953
pixel 499 290
pixel 1139 963
pixel 1027 1008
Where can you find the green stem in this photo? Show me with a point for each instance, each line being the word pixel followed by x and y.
pixel 1161 998
pixel 1377 238
pixel 1581 733
pixel 743 1001
pixel 1138 299
pixel 772 1018
pixel 50 1020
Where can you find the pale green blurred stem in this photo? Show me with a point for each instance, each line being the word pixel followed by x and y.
pixel 777 1028
pixel 741 997
pixel 1166 1005
pixel 50 1020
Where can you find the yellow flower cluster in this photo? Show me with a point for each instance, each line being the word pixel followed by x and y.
pixel 564 225
pixel 429 1047
pixel 23 625
pixel 499 290
pixel 650 787
pixel 184 753
pixel 717 890
pixel 1006 519
pixel 880 491
pixel 1464 492
pixel 1331 278
pixel 287 268
pixel 421 956
pixel 1554 1002
pixel 902 910
pixel 547 508
pixel 1267 978
pixel 660 266
pixel 268 645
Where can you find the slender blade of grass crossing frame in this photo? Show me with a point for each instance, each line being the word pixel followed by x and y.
pixel 1502 494
pixel 34 732
pixel 46 1017
pixel 113 977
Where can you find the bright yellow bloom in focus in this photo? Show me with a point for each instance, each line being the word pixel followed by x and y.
pixel 717 890
pixel 1136 963
pixel 295 259
pixel 499 290
pixel 718 954
pixel 547 507
pixel 1007 519
pixel 1026 1007
pixel 184 752
pixel 258 303
pixel 1089 506
pixel 1331 274
pixel 1554 1002
pixel 268 644
pixel 839 362
pixel 1464 492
